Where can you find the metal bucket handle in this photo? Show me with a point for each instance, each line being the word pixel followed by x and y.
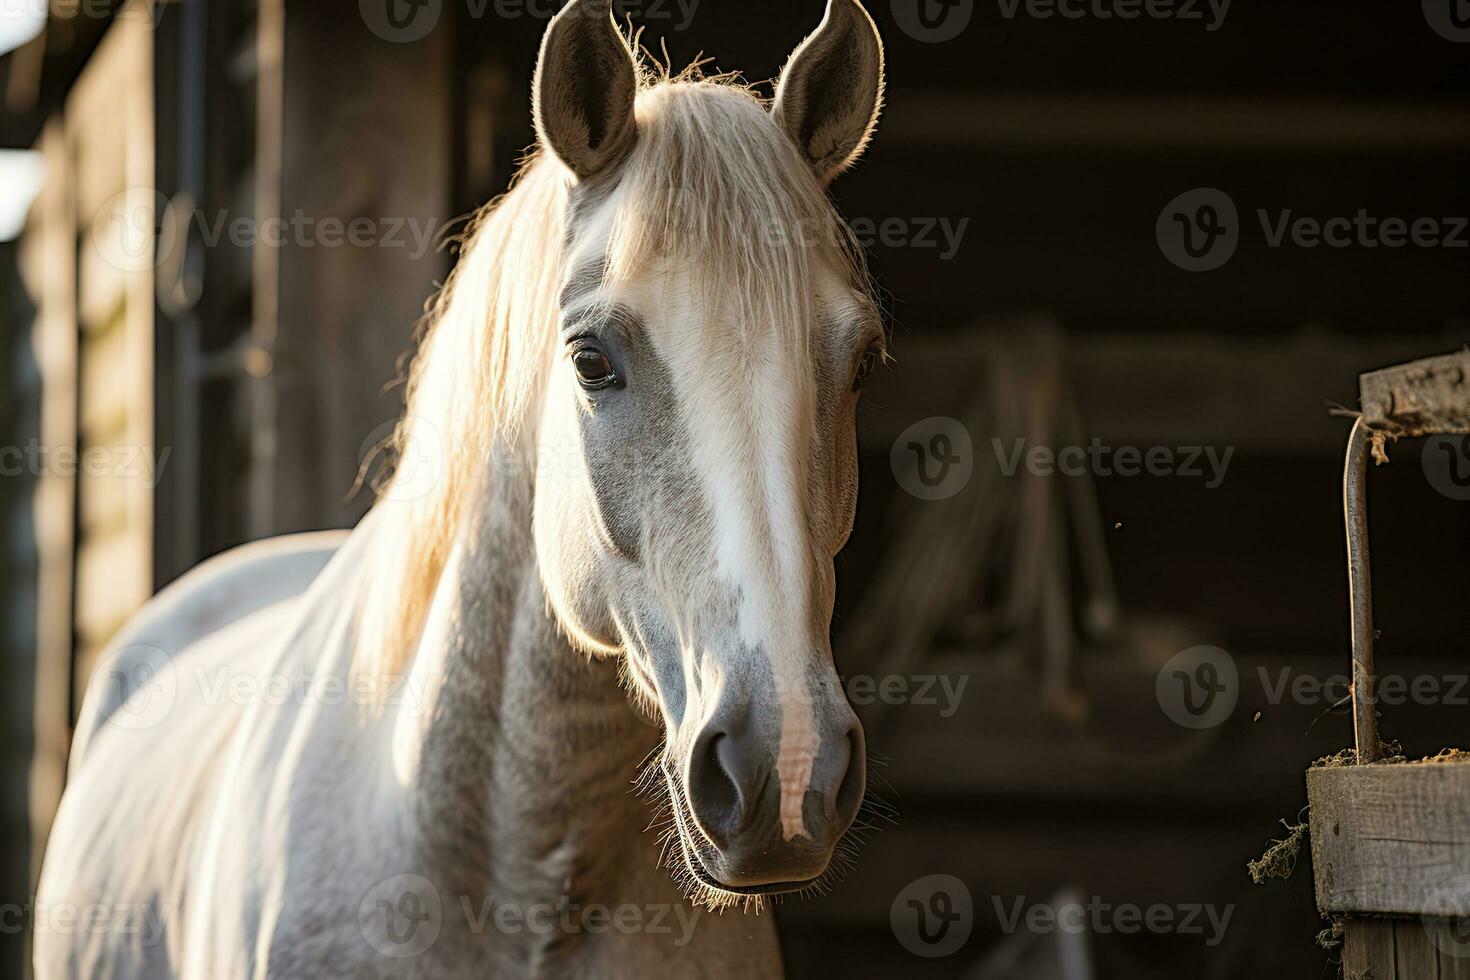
pixel 1423 398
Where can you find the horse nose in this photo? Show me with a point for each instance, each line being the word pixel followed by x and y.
pixel 734 792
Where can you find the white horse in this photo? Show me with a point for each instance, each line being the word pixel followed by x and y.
pixel 627 463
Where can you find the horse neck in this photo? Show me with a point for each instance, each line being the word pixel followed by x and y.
pixel 520 751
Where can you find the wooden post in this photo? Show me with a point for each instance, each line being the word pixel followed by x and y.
pixel 340 144
pixel 1391 853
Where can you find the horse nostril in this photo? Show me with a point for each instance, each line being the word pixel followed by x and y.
pixel 745 773
pixel 854 781
pixel 714 787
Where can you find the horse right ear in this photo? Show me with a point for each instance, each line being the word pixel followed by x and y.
pixel 584 89
pixel 832 88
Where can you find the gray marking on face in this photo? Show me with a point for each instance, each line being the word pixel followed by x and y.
pixel 637 463
pixel 631 438
pixel 660 662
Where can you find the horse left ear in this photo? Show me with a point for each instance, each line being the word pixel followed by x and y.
pixel 832 89
pixel 584 89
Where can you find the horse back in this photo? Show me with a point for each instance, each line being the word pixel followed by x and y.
pixel 210 597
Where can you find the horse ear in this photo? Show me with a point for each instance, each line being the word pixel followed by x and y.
pixel 584 88
pixel 832 89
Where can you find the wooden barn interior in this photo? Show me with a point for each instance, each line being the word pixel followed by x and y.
pixel 1010 202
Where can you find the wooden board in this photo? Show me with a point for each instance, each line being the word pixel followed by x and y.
pixel 1401 949
pixel 1432 394
pixel 1198 389
pixel 1391 839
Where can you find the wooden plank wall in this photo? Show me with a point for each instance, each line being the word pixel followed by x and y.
pixel 48 266
pixel 333 319
pixel 20 394
pixel 109 123
pixel 1403 949
pixel 83 380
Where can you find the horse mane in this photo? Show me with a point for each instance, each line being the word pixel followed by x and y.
pixel 711 179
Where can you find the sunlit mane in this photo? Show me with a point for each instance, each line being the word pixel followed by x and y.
pixel 712 181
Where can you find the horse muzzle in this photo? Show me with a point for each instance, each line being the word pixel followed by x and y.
pixel 762 823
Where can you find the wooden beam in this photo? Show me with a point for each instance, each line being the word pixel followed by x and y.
pixel 344 147
pixel 1428 395
pixel 1391 839
pixel 1258 394
pixel 1139 124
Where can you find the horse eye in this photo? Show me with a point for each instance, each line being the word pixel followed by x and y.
pixel 865 367
pixel 594 368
